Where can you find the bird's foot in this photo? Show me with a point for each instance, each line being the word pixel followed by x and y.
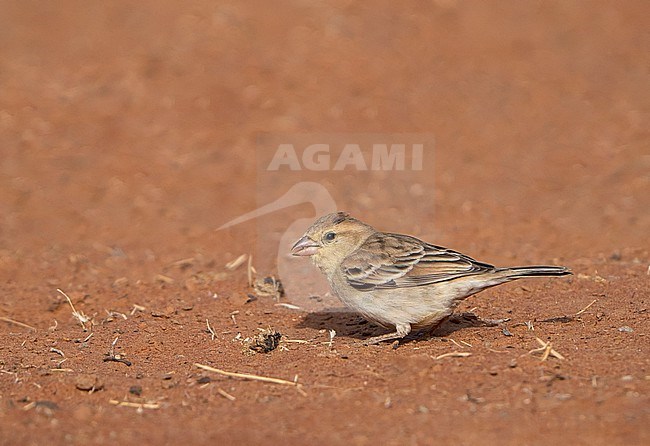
pixel 382 338
pixel 399 333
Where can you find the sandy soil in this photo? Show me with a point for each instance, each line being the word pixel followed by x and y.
pixel 129 132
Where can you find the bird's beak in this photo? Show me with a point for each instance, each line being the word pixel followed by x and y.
pixel 305 247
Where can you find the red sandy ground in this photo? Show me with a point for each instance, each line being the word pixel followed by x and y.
pixel 127 136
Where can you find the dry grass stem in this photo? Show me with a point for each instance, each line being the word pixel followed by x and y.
pixel 547 350
pixel 134 405
pixel 595 277
pixel 111 356
pixel 565 319
pixel 586 308
pixel 225 394
pixel 183 263
pixel 163 279
pixel 112 313
pixel 332 334
pixel 29 406
pixel 57 351
pixel 234 264
pixel 82 318
pixel 456 343
pixel 137 307
pixel 453 355
pixel 496 351
pixel 289 306
pixel 20 324
pixel 252 377
pixel 210 330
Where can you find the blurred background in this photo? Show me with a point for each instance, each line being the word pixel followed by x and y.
pixel 128 129
pixel 130 132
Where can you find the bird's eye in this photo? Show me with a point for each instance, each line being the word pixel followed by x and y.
pixel 329 236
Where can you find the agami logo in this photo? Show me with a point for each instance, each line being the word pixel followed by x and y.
pixel 323 157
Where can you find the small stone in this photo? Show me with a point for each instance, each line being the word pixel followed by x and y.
pixel 88 382
pixel 625 329
pixel 135 390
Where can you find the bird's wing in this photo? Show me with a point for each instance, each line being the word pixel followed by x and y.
pixel 388 261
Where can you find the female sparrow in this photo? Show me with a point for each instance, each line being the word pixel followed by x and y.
pixel 398 281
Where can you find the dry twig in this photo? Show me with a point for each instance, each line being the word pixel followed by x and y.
pixel 453 355
pixel 546 349
pixel 289 306
pixel 225 394
pixel 586 308
pixel 137 307
pixel 456 343
pixel 267 379
pixel 111 356
pixel 332 334
pixel 82 318
pixel 565 319
pixel 20 324
pixel 210 330
pixel 234 264
pixel 135 405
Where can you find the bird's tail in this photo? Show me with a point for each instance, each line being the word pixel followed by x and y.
pixel 519 272
pixel 479 282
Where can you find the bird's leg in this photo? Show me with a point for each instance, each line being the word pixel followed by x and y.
pixel 401 330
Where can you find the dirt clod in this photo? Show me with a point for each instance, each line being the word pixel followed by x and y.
pixel 266 341
pixel 88 382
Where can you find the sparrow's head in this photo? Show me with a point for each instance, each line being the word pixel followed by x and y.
pixel 331 239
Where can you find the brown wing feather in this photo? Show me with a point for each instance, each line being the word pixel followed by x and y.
pixel 387 261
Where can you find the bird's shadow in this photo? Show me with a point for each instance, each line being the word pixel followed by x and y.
pixel 351 325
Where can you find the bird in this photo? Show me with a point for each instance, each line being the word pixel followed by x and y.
pixel 398 281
